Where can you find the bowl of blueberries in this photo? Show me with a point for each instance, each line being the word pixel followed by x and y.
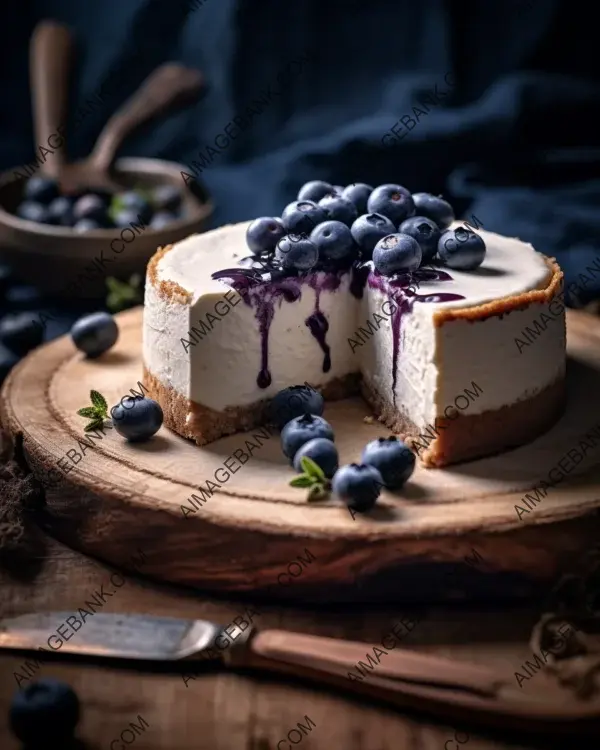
pixel 53 239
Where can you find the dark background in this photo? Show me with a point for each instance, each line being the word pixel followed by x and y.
pixel 517 142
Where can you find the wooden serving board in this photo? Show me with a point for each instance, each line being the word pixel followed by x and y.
pixel 256 534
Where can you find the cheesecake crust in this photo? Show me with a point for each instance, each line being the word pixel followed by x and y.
pixel 204 425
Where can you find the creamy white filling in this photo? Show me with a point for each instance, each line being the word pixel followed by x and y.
pixel 435 365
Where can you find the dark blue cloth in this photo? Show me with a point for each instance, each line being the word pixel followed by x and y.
pixel 515 139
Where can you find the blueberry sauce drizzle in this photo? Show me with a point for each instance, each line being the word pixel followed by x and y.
pixel 261 283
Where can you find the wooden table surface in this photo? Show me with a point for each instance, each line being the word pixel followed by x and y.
pixel 225 711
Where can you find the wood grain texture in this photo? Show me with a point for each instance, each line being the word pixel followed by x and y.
pixel 121 497
pixel 227 711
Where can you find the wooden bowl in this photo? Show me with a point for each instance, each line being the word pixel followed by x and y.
pixel 58 260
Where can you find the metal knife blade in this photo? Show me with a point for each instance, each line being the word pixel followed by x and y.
pixel 113 635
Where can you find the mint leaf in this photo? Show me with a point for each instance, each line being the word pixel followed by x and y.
pixel 93 425
pixel 312 469
pixel 301 481
pixel 88 411
pixel 99 402
pixel 318 492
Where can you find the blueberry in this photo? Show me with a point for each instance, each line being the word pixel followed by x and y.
pixel 397 253
pixel 368 229
pixel 461 248
pixel 334 241
pixel 41 190
pixel 45 713
pixel 314 191
pixel 434 208
pixel 60 211
pixel 132 201
pixel 263 234
pixel 358 485
pixel 301 217
pixel 393 201
pixel 358 193
pixel 166 198
pixel 162 219
pixel 294 402
pixel 294 251
pixel 322 451
pixel 302 429
pixel 392 458
pixel 137 419
pixel 125 217
pixel 95 334
pixel 425 231
pixel 339 189
pixel 31 211
pixel 86 225
pixel 8 360
pixel 89 206
pixel 20 332
pixel 339 209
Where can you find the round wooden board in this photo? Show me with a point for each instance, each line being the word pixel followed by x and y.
pixel 256 534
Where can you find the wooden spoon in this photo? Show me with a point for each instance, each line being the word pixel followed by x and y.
pixel 170 85
pixel 50 54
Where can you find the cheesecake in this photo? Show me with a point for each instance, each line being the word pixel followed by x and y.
pixel 461 362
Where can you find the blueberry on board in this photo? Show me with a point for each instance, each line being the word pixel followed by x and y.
pixel 358 485
pixel 461 249
pixel 132 201
pixel 334 241
pixel 21 332
pixel 434 208
pixel 89 206
pixel 45 713
pixel 294 402
pixel 393 201
pixel 322 451
pixel 33 211
pixel 425 231
pixel 368 229
pixel 397 253
pixel 302 429
pixel 60 211
pixel 8 360
pixel 358 193
pixel 314 191
pixel 87 225
pixel 41 190
pixel 162 219
pixel 301 217
pixel 392 458
pixel 263 234
pixel 95 334
pixel 296 252
pixel 137 418
pixel 166 198
pixel 339 209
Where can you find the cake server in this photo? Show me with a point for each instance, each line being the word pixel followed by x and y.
pixel 446 687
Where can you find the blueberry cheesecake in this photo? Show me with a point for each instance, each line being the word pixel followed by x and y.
pixel 449 331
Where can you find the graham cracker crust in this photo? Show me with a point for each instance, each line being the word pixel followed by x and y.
pixel 470 436
pixel 204 425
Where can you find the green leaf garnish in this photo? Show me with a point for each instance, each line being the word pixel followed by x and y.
pixel 87 411
pixel 99 402
pixel 312 469
pixel 123 294
pixel 301 481
pixel 318 492
pixel 93 425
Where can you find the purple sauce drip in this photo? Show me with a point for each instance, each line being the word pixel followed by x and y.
pixel 261 285
pixel 397 289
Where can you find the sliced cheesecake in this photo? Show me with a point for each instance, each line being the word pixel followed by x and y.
pixel 464 363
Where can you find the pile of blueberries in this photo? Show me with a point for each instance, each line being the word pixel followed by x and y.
pixel 385 462
pixel 334 227
pixel 97 209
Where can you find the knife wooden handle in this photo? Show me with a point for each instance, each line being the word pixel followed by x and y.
pixel 450 688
